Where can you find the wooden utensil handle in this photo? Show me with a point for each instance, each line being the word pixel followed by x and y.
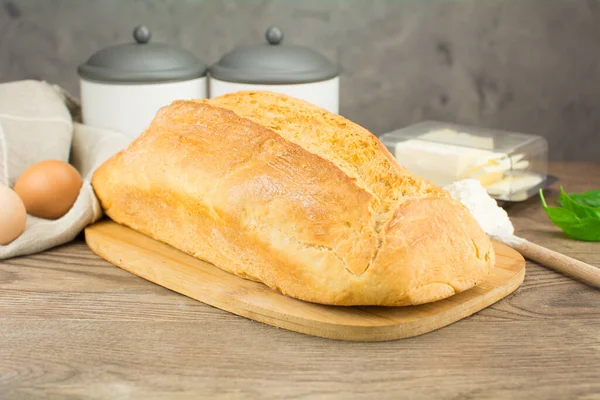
pixel 560 262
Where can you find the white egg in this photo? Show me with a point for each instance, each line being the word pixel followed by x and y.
pixel 13 216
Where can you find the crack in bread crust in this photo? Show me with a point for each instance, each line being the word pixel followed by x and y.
pixel 329 136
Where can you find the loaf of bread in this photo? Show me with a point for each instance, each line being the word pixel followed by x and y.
pixel 277 190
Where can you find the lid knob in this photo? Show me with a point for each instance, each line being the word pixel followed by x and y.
pixel 274 35
pixel 142 34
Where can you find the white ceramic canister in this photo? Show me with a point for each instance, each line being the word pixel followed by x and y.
pixel 290 69
pixel 122 87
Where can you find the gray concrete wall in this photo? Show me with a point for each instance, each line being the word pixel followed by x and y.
pixel 523 65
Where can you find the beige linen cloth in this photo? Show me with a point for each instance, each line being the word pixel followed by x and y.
pixel 38 122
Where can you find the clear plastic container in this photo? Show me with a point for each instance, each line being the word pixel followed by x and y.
pixel 511 166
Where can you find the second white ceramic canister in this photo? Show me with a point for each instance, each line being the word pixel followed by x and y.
pixel 290 69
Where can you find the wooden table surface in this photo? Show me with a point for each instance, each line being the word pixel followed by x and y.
pixel 73 326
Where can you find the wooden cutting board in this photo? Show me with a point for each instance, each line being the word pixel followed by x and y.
pixel 175 270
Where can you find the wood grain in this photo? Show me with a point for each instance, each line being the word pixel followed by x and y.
pixel 182 273
pixel 72 326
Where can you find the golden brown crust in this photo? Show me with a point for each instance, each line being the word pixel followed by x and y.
pixel 312 204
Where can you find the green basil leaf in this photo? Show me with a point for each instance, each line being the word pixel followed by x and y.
pixel 590 199
pixel 585 228
pixel 579 209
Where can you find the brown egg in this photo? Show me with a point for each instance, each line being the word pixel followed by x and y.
pixel 49 188
pixel 12 215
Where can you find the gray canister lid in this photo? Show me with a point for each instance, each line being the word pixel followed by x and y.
pixel 142 62
pixel 273 63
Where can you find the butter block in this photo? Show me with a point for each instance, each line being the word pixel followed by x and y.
pixel 503 162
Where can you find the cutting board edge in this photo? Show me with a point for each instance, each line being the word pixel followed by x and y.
pixel 327 330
